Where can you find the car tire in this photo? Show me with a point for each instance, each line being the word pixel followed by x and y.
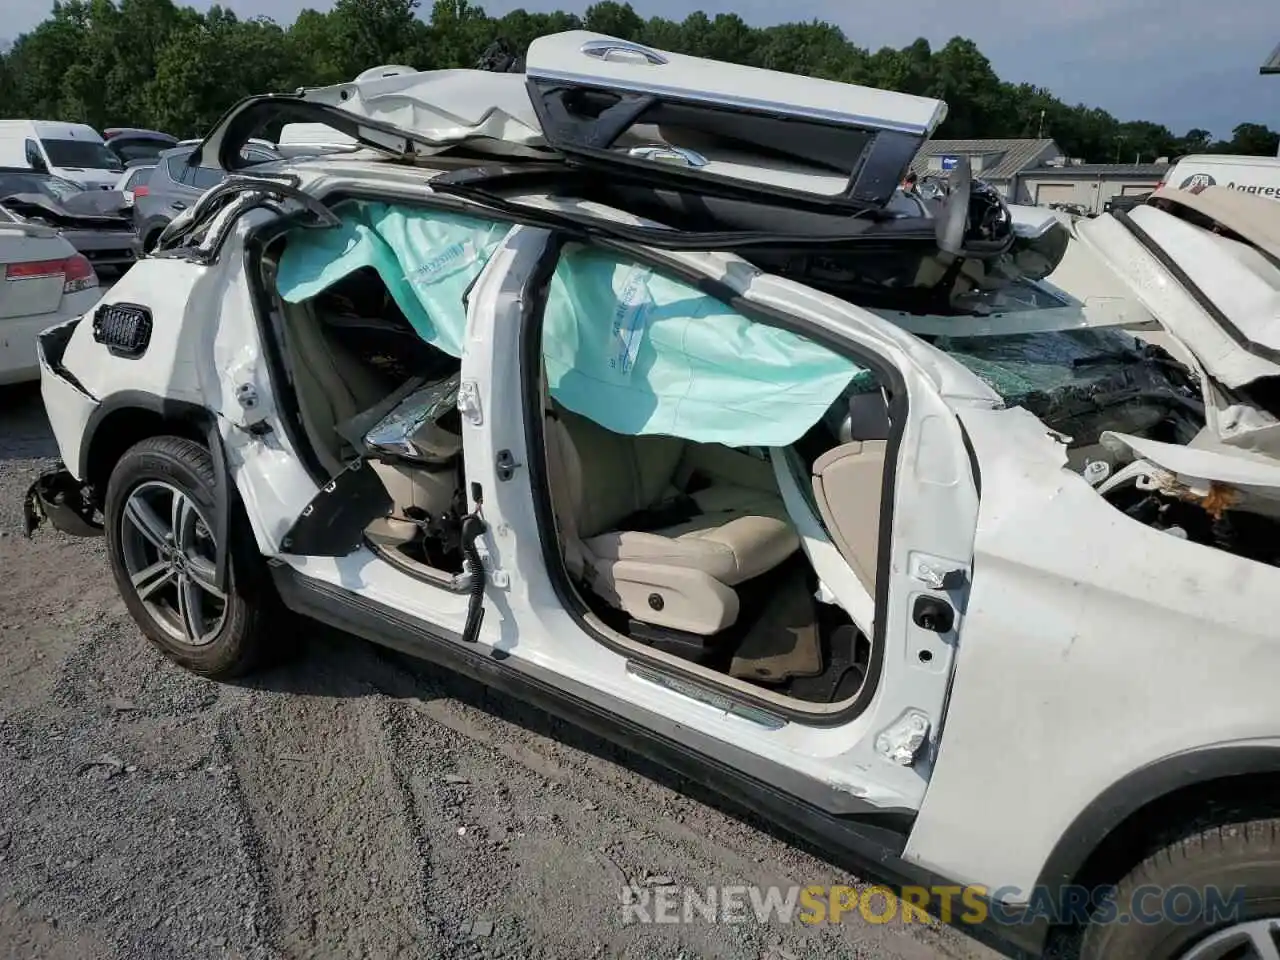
pixel 158 511
pixel 1243 855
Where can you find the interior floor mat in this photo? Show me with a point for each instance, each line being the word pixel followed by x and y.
pixel 849 652
pixel 783 641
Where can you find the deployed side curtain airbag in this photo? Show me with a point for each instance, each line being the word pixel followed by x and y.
pixel 630 348
pixel 426 258
pixel 641 353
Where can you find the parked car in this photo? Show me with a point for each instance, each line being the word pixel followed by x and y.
pixel 131 144
pixel 174 184
pixel 95 222
pixel 134 178
pixel 72 151
pixel 44 282
pixel 631 396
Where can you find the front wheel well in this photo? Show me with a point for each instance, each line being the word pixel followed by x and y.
pixel 1180 813
pixel 1164 821
pixel 125 426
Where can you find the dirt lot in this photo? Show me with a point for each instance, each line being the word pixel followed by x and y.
pixel 350 804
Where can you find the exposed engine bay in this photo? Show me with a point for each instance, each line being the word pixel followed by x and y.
pixel 1082 383
pixel 1210 513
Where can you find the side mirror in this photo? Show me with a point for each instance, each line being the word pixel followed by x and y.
pixel 868 417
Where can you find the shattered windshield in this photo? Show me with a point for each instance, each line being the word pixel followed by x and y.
pixel 1082 382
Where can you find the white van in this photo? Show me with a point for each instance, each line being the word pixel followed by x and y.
pixel 73 151
pixel 1260 175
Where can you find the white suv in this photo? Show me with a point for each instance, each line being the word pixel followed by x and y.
pixel 622 386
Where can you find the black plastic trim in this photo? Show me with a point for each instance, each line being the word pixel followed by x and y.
pixel 882 166
pixel 866 841
pixel 222 505
pixel 1143 786
pixel 109 334
pixel 530 367
pixel 167 408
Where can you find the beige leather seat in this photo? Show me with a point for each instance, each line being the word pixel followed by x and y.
pixel 848 483
pixel 332 385
pixel 682 575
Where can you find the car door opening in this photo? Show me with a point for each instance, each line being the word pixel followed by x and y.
pixel 370 389
pixel 716 482
pixel 674 428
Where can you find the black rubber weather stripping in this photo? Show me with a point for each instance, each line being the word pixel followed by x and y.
pixel 662 238
pixel 1211 308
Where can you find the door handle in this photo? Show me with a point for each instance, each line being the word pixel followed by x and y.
pixel 178 205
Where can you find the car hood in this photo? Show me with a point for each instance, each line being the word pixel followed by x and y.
pixel 90 179
pixel 1206 268
pixel 92 208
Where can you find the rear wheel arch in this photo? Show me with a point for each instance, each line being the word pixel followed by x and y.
pixel 126 419
pixel 129 417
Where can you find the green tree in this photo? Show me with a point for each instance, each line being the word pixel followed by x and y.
pixel 1251 139
pixel 157 63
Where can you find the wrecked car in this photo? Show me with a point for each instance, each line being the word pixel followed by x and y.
pixel 95 222
pixel 625 385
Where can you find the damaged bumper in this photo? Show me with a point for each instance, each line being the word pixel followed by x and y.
pixel 57 495
pixel 64 501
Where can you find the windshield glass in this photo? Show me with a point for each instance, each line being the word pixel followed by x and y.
pixel 82 154
pixel 138 177
pixel 55 188
pixel 1082 382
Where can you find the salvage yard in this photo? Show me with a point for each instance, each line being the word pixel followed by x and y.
pixel 347 804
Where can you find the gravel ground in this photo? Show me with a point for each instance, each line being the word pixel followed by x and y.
pixel 350 804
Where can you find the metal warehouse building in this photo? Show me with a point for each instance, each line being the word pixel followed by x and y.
pixel 1037 171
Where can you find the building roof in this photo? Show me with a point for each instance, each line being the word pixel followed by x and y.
pixel 1272 63
pixel 1017 154
pixel 1113 170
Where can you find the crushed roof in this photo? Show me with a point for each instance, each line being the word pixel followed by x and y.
pixel 1017 154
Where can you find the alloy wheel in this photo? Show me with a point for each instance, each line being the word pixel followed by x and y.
pixel 170 556
pixel 1253 940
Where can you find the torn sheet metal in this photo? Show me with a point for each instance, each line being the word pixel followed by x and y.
pixel 444 106
pixel 1238 339
pixel 1218 480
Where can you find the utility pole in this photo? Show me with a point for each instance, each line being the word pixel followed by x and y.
pixel 1040 134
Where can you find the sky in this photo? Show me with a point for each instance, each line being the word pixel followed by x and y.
pixel 1183 63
